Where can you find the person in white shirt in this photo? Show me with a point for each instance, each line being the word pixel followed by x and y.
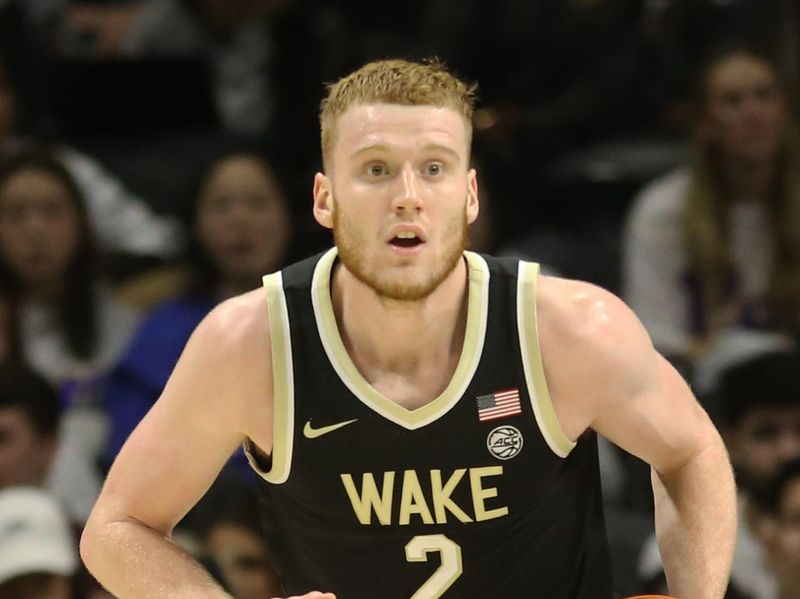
pixel 70 327
pixel 713 247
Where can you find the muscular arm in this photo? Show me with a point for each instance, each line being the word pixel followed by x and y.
pixel 604 374
pixel 217 394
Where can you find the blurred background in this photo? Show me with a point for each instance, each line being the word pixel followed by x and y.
pixel 157 156
pixel 581 101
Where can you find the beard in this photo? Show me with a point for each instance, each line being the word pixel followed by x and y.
pixel 349 241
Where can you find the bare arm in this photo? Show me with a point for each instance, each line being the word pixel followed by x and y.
pixel 644 406
pixel 218 393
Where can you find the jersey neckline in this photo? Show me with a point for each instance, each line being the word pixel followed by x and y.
pixel 474 336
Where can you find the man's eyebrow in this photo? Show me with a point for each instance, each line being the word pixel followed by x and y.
pixel 431 147
pixel 370 148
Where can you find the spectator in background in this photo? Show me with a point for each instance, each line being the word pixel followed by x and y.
pixel 29 422
pixel 782 535
pixel 71 330
pixel 38 550
pixel 121 222
pixel 241 230
pixel 714 247
pixel 691 27
pixel 70 327
pixel 29 416
pixel 758 402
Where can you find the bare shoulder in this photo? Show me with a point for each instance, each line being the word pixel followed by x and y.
pixel 594 349
pixel 239 324
pixel 587 318
pixel 229 355
pixel 603 373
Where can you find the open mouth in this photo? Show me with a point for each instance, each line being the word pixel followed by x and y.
pixel 405 241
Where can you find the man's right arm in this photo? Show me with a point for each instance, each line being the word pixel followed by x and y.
pixel 219 392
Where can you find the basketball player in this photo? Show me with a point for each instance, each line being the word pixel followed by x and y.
pixel 422 418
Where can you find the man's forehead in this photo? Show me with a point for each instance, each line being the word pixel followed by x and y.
pixel 363 119
pixel 390 125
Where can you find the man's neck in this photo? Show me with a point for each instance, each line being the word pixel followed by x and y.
pixel 401 338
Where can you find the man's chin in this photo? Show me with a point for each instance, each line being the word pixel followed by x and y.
pixel 397 284
pixel 401 289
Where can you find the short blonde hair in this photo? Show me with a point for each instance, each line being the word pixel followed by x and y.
pixel 426 83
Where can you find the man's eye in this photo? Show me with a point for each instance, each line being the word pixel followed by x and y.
pixel 376 170
pixel 434 169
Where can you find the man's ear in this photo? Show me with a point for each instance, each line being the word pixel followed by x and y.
pixel 323 200
pixel 472 196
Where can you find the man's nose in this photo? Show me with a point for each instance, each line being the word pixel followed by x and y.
pixel 408 195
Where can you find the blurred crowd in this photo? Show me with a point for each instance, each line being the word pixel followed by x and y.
pixel 156 157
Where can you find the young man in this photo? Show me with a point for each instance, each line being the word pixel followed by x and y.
pixel 422 417
pixel 29 418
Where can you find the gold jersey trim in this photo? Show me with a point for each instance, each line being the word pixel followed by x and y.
pixel 535 379
pixel 282 386
pixel 475 334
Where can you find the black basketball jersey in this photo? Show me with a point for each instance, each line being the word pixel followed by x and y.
pixel 478 493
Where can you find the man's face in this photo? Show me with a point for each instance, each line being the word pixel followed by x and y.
pixel 745 111
pixel 764 440
pixel 24 455
pixel 399 197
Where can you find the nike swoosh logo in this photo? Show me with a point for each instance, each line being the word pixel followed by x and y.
pixel 312 433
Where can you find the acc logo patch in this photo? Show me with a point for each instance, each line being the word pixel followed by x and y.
pixel 504 442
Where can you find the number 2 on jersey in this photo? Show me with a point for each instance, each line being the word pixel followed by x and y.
pixel 417 550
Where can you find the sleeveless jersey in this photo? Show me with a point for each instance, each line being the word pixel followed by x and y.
pixel 478 493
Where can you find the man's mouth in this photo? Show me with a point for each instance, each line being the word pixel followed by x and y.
pixel 405 240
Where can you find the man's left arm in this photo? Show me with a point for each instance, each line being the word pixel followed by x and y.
pixel 696 522
pixel 693 488
pixel 643 405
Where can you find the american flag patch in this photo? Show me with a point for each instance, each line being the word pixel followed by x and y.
pixel 499 404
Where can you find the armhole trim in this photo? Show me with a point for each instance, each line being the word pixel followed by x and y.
pixel 282 386
pixel 527 326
